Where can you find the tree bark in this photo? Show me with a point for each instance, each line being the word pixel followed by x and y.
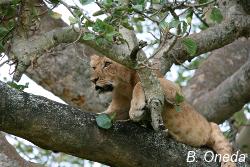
pixel 211 78
pixel 60 127
pixel 242 140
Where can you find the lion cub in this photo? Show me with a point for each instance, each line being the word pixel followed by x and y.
pixel 128 101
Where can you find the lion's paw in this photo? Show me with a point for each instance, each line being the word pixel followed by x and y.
pixel 137 111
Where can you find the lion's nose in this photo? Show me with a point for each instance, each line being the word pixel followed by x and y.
pixel 94 80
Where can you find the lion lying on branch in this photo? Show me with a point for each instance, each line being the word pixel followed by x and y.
pixel 128 102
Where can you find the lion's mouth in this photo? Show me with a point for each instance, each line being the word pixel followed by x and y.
pixel 106 88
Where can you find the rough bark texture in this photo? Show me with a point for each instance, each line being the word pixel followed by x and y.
pixel 234 91
pixel 207 83
pixel 55 126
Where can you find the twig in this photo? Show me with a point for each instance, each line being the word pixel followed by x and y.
pixel 136 49
pixel 203 21
pixel 79 22
pixel 162 45
pixel 153 35
pixel 146 16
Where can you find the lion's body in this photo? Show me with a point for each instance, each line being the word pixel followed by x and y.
pixel 128 101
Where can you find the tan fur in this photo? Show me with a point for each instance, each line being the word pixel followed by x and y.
pixel 128 101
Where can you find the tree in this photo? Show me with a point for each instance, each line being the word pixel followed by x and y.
pixel 56 56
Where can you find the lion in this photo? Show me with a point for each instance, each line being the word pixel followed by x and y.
pixel 128 102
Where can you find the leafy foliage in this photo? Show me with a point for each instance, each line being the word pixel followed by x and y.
pixel 17 86
pixel 216 15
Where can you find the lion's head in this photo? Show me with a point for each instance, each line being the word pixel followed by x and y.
pixel 107 74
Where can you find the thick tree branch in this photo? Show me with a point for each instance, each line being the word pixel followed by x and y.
pixel 207 40
pixel 228 97
pixel 55 126
pixel 221 64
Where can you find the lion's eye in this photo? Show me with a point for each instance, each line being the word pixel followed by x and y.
pixel 94 68
pixel 107 64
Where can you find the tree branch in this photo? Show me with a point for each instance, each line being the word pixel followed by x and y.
pixel 228 97
pixel 55 126
pixel 207 40
pixel 220 64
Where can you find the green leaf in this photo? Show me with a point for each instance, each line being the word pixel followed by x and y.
pixel 190 46
pixel 85 2
pixel 138 7
pixel 189 16
pixel 156 1
pixel 140 2
pixel 77 12
pixel 98 13
pixel 55 15
pixel 163 25
pixel 137 19
pixel 178 98
pixel 11 11
pixel 107 3
pixel 101 26
pixel 177 108
pixel 184 27
pixel 110 36
pixel 138 27
pixel 72 20
pixel 3 31
pixel 101 41
pixel 88 24
pixel 15 2
pixel 127 25
pixel 89 36
pixel 104 121
pixel 18 86
pixel 216 15
pixel 174 24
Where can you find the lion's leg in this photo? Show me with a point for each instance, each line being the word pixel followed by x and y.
pixel 118 108
pixel 138 103
pixel 170 90
pixel 220 144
